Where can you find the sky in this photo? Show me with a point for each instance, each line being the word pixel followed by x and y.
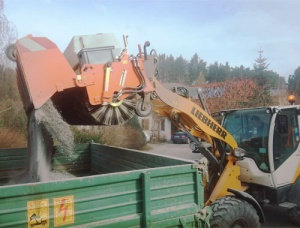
pixel 220 31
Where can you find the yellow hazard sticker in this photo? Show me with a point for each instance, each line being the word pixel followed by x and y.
pixel 63 210
pixel 38 213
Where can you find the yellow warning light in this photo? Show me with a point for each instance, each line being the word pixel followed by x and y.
pixel 291 99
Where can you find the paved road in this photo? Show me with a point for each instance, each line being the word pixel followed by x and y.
pixel 275 216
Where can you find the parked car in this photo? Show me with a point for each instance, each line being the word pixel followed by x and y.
pixel 180 137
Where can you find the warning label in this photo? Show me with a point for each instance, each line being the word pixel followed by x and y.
pixel 63 210
pixel 38 213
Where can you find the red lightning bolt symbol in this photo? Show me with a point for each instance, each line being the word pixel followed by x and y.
pixel 62 208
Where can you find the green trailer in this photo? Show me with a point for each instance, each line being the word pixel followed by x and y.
pixel 106 187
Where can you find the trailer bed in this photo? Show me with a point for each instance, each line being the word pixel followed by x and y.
pixel 111 187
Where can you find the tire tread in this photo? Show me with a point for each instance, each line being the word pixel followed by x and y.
pixel 227 209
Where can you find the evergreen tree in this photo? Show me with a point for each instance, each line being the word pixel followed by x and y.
pixel 260 64
pixel 181 71
pixel 263 80
pixel 162 68
pixel 224 72
pixel 193 68
pixel 202 70
pixel 201 79
pixel 212 75
pixel 197 70
pixel 241 72
pixel 171 72
pixel 294 82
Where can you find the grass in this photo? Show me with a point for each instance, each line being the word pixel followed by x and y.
pixel 119 136
pixel 146 148
pixel 12 139
pixel 123 136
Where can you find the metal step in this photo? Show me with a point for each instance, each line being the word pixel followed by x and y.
pixel 288 205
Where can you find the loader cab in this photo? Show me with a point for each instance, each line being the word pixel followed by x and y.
pixel 272 155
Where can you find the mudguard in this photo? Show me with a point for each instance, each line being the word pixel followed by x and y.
pixel 248 198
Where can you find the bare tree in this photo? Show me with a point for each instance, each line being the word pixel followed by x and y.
pixel 8 35
pixel 230 94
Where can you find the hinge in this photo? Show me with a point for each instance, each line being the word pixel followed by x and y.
pixel 204 216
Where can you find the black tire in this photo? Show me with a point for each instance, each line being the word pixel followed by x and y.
pixel 294 215
pixel 231 212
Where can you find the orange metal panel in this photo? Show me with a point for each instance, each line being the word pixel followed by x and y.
pixel 101 86
pixel 44 71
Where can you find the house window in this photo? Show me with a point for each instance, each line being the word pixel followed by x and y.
pixel 162 125
pixel 145 124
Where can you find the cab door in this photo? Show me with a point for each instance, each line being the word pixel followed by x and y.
pixel 285 154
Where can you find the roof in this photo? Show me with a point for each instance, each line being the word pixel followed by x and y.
pixel 228 95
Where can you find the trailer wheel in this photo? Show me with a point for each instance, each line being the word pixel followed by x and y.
pixel 294 215
pixel 232 212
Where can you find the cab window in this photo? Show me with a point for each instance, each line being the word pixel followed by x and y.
pixel 250 128
pixel 286 136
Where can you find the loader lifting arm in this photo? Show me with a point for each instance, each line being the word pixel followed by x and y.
pixel 188 116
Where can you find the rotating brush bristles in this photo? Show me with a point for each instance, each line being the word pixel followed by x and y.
pixel 114 113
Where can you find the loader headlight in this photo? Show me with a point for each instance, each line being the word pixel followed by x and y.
pixel 239 152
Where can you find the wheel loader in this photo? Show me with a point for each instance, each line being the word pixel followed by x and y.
pixel 96 82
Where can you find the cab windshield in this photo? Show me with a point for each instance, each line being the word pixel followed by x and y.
pixel 250 129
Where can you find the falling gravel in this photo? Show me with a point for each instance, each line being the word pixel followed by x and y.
pixel 46 126
pixel 59 130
